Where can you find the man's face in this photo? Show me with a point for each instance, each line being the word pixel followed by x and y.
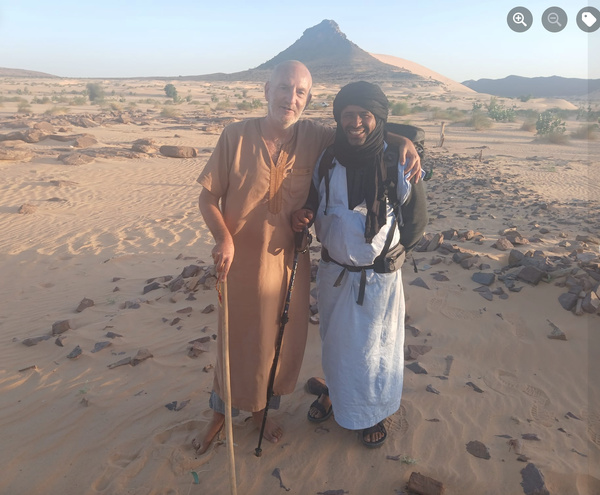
pixel 288 93
pixel 357 123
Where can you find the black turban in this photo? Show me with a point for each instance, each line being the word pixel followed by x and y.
pixel 365 169
pixel 364 94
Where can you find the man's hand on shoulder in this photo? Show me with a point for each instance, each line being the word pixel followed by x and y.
pixel 409 155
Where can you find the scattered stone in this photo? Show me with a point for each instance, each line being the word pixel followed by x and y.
pixel 75 158
pixel 478 449
pixel 516 445
pixel 122 362
pixel 144 146
pixel 151 287
pixel 207 368
pixel 60 327
pixel 485 292
pixel 484 278
pixel 530 436
pixel 503 244
pixel 85 303
pixel 75 353
pixel 178 151
pixel 430 388
pixel 417 368
pixel 423 485
pixel 59 340
pixel 470 262
pixel 175 321
pixel 141 355
pixel 27 209
pixel 30 342
pixel 591 302
pixel 568 300
pixel 412 352
pixel 209 309
pixel 185 311
pixel 32 367
pixel 588 239
pixel 14 154
pixel 415 332
pixel 522 458
pixel 85 141
pixel 533 481
pixel 98 346
pixel 531 275
pixel 449 361
pixel 571 415
pixel 198 348
pixel 557 333
pixel 112 335
pixel 474 387
pixel 419 282
pixel 439 277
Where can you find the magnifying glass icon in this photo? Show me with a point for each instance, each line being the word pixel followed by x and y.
pixel 519 18
pixel 552 19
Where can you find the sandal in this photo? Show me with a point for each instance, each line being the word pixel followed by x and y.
pixel 316 386
pixel 378 428
pixel 325 414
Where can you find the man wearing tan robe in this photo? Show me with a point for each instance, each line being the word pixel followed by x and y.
pixel 260 172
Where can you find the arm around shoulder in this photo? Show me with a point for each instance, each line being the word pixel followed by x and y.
pixel 414 215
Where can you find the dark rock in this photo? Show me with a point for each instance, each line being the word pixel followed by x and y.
pixel 151 287
pixel 412 352
pixel 533 481
pixel 423 485
pixel 591 302
pixel 98 346
pixel 439 277
pixel 485 292
pixel 531 275
pixel 59 327
pixel 122 362
pixel 530 436
pixel 478 449
pixel 417 368
pixel 185 311
pixel 470 262
pixel 85 141
pixel 191 271
pixel 75 353
pixel 430 388
pixel 141 355
pixel 568 300
pixel 474 387
pixel 178 151
pixel 30 342
pixel 483 278
pixel 209 309
pixel 459 257
pixel 503 244
pixel 112 335
pixel 419 282
pixel 85 303
pixel 515 258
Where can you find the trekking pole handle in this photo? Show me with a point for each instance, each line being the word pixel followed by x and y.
pixel 302 240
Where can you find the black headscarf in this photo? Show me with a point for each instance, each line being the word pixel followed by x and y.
pixel 365 170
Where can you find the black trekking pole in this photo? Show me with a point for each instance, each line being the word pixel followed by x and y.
pixel 298 248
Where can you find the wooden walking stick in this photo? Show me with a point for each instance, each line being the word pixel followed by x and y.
pixel 223 301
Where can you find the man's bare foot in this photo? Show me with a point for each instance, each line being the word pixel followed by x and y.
pixel 273 431
pixel 212 430
pixel 320 409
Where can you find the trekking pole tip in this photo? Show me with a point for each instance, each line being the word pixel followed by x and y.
pixel 257 452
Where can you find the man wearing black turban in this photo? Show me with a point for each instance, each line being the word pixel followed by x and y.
pixel 364 233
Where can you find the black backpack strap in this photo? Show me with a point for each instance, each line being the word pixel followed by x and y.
pixel 325 166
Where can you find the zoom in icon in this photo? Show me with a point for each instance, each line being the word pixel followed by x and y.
pixel 519 19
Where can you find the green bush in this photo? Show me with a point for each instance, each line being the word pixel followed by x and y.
pixel 587 131
pixel 479 121
pixel 549 123
pixel 171 92
pixel 400 108
pixel 95 92
pixel 499 112
pixel 169 112
pixel 24 107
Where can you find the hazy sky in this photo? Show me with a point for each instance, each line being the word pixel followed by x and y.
pixel 460 39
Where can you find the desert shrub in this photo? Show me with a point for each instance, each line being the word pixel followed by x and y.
pixel 529 126
pixel 589 132
pixel 416 108
pixel 40 101
pixel 479 121
pixel 525 98
pixel 56 111
pixel 452 114
pixel 549 123
pixel 169 112
pixel 499 112
pixel 95 92
pixel 400 108
pixel 171 92
pixel 115 107
pixel 78 101
pixel 588 115
pixel 249 105
pixel 223 105
pixel 23 107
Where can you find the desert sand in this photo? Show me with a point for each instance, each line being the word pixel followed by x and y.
pixel 126 221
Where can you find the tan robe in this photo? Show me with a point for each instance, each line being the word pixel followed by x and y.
pixel 258 198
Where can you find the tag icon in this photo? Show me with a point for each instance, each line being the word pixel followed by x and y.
pixel 588 19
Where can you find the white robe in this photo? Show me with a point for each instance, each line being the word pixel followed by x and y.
pixel 362 345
